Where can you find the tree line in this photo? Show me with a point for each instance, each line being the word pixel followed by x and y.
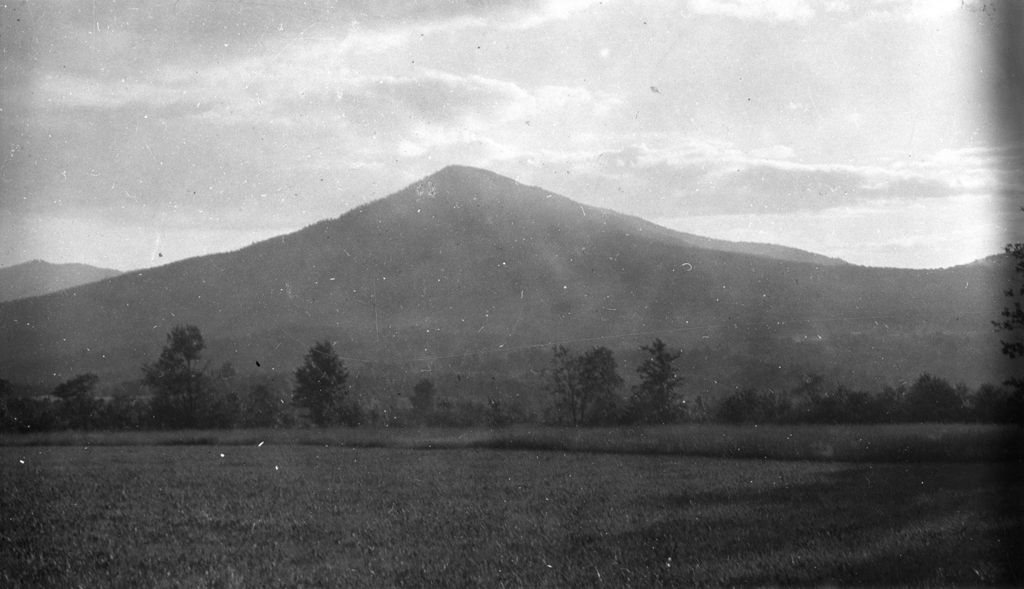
pixel 929 399
pixel 587 391
pixel 185 392
pixel 583 389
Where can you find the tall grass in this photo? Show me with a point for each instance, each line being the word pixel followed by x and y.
pixel 309 516
pixel 849 443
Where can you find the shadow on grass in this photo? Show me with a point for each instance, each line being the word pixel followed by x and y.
pixel 875 525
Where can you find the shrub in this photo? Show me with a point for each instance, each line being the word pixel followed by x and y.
pixel 933 399
pixel 752 406
pixel 994 404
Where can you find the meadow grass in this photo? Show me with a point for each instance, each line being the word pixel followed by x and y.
pixel 314 516
pixel 849 443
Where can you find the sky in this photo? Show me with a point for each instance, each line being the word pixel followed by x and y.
pixel 139 133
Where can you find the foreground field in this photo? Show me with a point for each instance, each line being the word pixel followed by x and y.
pixel 276 515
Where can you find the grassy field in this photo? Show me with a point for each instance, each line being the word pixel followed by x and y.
pixel 848 443
pixel 315 515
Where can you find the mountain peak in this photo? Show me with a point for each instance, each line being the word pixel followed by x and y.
pixel 458 171
pixel 496 196
pixel 462 182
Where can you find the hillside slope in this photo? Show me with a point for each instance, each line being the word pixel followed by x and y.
pixel 469 269
pixel 38 277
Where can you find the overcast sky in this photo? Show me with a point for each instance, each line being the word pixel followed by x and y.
pixel 135 134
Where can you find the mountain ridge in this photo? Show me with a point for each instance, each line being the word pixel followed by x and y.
pixel 38 277
pixel 755 248
pixel 465 261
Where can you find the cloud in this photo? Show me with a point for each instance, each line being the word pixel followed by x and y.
pixel 554 10
pixel 774 152
pixel 943 232
pixel 518 14
pixel 439 97
pixel 775 11
pixel 129 37
pixel 69 91
pixel 919 9
pixel 707 178
pixel 968 169
pixel 836 6
pixel 294 124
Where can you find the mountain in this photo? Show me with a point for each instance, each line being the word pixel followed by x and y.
pixel 764 250
pixel 472 273
pixel 38 277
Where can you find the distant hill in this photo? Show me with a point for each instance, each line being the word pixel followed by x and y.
pixel 470 273
pixel 38 277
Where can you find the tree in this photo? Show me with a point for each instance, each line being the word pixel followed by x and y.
pixel 127 412
pixel 933 399
pixel 80 385
pixel 224 407
pixel 264 407
pixel 655 400
pixel 1013 315
pixel 423 398
pixel 994 404
pixel 78 408
pixel 565 386
pixel 564 374
pixel 177 379
pixel 584 386
pixel 753 406
pixel 599 382
pixel 321 384
pixel 1012 323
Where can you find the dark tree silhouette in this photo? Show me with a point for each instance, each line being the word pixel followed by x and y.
pixel 564 385
pixel 321 384
pixel 995 404
pixel 1012 322
pixel 263 407
pixel 80 385
pixel 599 382
pixel 422 399
pixel 177 379
pixel 655 400
pixel 224 407
pixel 584 386
pixel 753 406
pixel 78 408
pixel 933 399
